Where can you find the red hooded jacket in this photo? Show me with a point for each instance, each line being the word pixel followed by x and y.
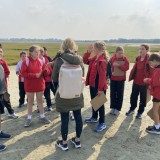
pixel 6 70
pixel 140 70
pixel 124 67
pixel 96 66
pixel 154 83
pixel 31 82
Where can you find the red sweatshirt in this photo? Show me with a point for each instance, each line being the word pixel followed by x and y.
pixel 31 82
pixel 123 67
pixel 154 82
pixel 141 71
pixel 48 72
pixel 6 70
pixel 96 66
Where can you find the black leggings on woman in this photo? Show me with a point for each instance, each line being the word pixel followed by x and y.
pixel 65 121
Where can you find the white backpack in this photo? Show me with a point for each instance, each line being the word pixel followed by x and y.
pixel 70 81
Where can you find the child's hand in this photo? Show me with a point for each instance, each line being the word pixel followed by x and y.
pixel 116 64
pixel 90 48
pixel 38 75
pixel 145 80
pixel 49 64
pixel 100 92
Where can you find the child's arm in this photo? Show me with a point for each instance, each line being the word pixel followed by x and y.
pixel 125 66
pixel 6 69
pixel 102 75
pixel 86 56
pixel 18 69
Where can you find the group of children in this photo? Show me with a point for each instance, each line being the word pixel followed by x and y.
pixel 38 74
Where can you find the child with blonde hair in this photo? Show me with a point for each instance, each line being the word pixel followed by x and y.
pixel 34 84
pixel 96 79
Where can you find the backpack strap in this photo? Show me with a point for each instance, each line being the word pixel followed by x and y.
pixel 41 61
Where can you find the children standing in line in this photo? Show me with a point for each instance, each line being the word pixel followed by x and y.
pixel 7 103
pixel 34 84
pixel 63 105
pixel 21 79
pixel 139 71
pixel 154 85
pixel 3 89
pixel 119 65
pixel 96 79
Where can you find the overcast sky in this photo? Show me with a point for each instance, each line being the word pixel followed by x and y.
pixel 80 19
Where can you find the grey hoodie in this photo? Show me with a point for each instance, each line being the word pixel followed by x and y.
pixel 3 88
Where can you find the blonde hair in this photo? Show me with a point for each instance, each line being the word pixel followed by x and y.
pixel 101 46
pixel 41 50
pixel 32 48
pixel 119 48
pixel 69 45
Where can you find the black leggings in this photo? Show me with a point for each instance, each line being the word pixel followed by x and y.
pixel 65 121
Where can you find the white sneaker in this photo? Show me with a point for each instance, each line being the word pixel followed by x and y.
pixel 71 116
pixel 112 111
pixel 14 116
pixel 116 112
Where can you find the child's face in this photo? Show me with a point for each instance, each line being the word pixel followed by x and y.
pixel 23 56
pixel 1 53
pixel 142 51
pixel 96 51
pixel 153 63
pixel 119 54
pixel 41 54
pixel 35 53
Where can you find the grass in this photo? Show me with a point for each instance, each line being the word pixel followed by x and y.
pixel 12 50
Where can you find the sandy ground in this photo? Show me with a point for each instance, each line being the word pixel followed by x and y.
pixel 124 139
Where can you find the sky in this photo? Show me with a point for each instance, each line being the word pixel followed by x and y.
pixel 80 19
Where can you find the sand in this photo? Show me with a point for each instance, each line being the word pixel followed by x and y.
pixel 124 139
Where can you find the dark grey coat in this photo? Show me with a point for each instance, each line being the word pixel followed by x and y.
pixel 65 105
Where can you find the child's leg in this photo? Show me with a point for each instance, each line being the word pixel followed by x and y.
pixel 39 96
pixel 21 93
pixel 120 93
pixel 134 96
pixel 30 97
pixel 64 125
pixel 7 104
pixel 52 88
pixel 47 94
pixel 93 93
pixel 143 96
pixel 156 106
pixel 79 124
pixel 113 89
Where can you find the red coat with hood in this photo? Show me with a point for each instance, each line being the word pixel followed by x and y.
pixel 31 82
pixel 96 66
pixel 123 67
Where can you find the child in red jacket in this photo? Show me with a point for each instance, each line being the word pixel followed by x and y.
pixel 96 79
pixel 154 83
pixel 139 71
pixel 34 84
pixel 119 65
pixel 48 82
pixel 22 92
pixel 7 103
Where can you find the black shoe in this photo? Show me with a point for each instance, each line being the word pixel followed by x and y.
pixel 130 112
pixel 2 147
pixel 4 135
pixel 76 144
pixel 139 116
pixel 60 144
pixel 152 129
pixel 20 105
